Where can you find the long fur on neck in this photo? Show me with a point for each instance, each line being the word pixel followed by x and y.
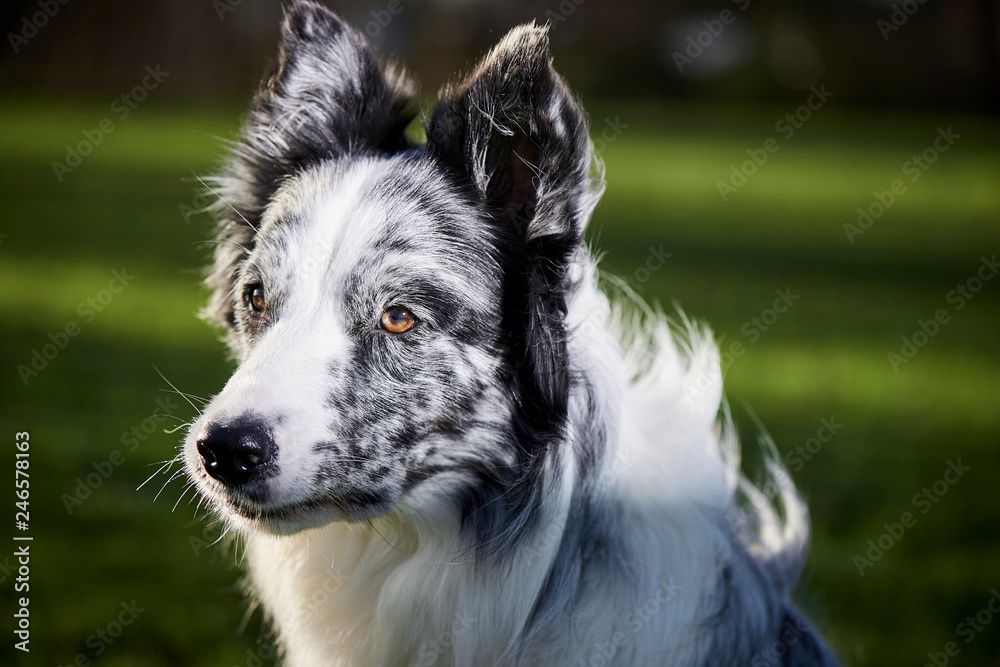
pixel 641 539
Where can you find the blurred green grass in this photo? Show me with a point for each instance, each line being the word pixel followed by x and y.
pixel 122 208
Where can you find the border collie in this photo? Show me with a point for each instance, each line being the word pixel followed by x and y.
pixel 444 444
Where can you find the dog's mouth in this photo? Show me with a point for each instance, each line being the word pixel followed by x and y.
pixel 285 519
pixel 292 517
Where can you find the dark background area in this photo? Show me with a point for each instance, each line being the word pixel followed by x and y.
pixel 944 56
pixel 669 136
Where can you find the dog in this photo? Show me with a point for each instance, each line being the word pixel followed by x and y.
pixel 444 443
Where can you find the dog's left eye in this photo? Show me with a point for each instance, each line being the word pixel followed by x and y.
pixel 397 319
pixel 255 299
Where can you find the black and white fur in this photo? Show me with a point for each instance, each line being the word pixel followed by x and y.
pixel 533 474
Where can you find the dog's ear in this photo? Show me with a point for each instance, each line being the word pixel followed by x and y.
pixel 514 132
pixel 328 97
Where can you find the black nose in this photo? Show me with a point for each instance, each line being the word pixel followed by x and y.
pixel 236 453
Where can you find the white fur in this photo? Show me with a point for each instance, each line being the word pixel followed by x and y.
pixel 637 541
pixel 383 593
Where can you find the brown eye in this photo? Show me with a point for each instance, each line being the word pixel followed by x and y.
pixel 397 320
pixel 257 301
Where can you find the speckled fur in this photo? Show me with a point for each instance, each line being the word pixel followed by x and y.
pixel 535 474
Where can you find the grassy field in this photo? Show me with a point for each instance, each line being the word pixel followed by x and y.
pixel 101 544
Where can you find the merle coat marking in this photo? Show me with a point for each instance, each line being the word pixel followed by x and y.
pixel 531 473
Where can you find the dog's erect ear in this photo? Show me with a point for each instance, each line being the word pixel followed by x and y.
pixel 514 131
pixel 329 96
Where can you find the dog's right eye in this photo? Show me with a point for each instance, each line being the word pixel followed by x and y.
pixel 397 320
pixel 255 298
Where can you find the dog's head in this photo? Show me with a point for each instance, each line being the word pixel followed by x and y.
pixel 396 309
